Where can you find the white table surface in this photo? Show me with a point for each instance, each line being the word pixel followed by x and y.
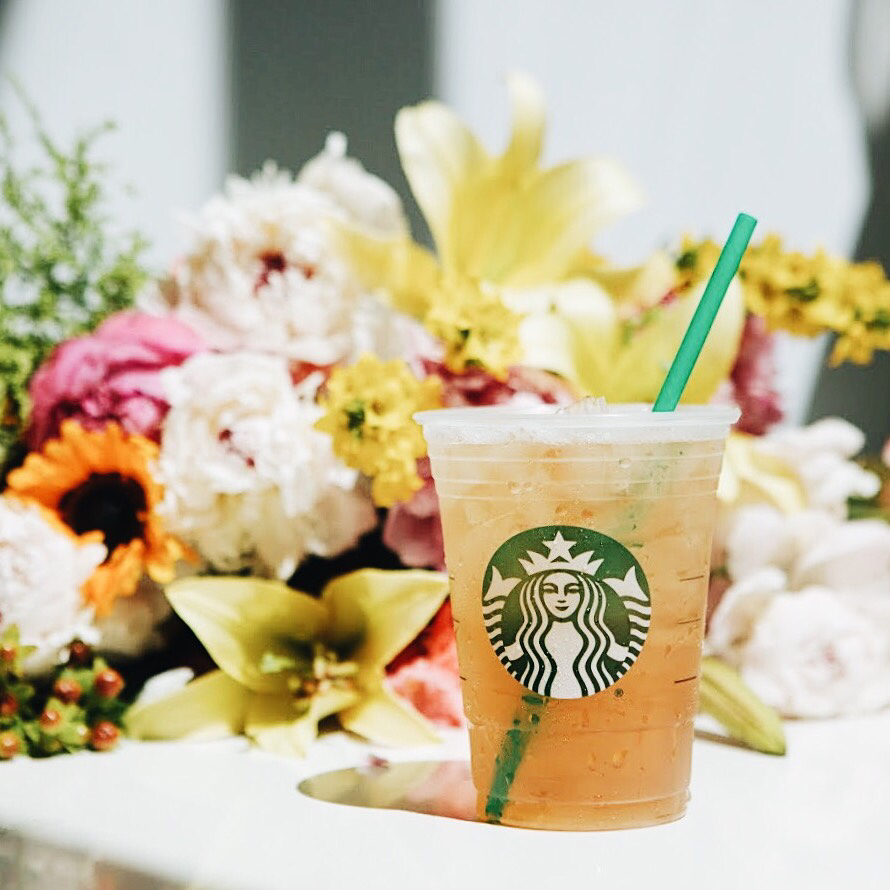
pixel 217 814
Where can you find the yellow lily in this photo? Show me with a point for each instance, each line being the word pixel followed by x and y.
pixel 288 660
pixel 619 344
pixel 525 231
pixel 503 219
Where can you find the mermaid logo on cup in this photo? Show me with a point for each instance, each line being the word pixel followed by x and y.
pixel 566 609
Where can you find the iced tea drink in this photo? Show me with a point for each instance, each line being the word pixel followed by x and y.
pixel 578 550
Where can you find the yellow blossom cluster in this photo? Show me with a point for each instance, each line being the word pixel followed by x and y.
pixel 804 294
pixel 475 327
pixel 368 414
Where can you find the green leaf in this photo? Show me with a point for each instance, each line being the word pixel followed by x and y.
pixel 212 706
pixel 724 696
pixel 241 620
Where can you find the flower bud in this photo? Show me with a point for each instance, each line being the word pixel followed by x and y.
pixel 80 654
pixel 8 654
pixel 105 736
pixel 10 745
pixel 67 690
pixel 9 705
pixel 108 683
pixel 50 720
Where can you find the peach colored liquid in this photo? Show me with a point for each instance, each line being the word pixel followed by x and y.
pixel 621 757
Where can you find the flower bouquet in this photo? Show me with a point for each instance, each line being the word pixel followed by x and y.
pixel 216 470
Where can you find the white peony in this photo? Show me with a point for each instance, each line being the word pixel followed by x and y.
pixel 821 456
pixel 807 616
pixel 362 200
pixel 267 270
pixel 42 570
pixel 248 480
pixel 813 655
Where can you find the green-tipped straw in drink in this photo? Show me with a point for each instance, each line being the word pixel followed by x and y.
pixel 529 716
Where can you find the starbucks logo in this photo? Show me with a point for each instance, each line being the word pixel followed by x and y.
pixel 566 609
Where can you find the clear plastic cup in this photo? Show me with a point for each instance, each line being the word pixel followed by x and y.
pixel 578 548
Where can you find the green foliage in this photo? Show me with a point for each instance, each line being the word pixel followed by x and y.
pixel 62 269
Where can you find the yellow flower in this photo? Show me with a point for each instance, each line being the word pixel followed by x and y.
pixel 101 482
pixel 868 293
pixel 477 330
pixel 504 219
pixel 794 292
pixel 288 660
pixel 615 332
pixel 695 262
pixel 499 222
pixel 368 414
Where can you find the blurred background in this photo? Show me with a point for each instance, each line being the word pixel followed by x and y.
pixel 776 109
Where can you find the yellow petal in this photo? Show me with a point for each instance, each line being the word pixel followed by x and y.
pixel 240 619
pixel 575 335
pixel 272 721
pixel 529 115
pixel 213 706
pixel 401 272
pixel 642 285
pixel 749 476
pixel 548 223
pixel 386 610
pixel 641 366
pixel 383 718
pixel 439 155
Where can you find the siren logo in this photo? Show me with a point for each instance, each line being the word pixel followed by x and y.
pixel 566 609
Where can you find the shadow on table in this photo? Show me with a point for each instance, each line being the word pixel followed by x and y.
pixel 30 864
pixel 433 787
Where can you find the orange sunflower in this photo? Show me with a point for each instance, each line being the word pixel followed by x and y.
pixel 102 482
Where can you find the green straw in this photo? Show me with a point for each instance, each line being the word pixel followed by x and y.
pixel 705 313
pixel 529 715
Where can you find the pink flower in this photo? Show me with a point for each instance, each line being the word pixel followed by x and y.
pixel 528 386
pixel 753 379
pixel 426 673
pixel 110 375
pixel 413 530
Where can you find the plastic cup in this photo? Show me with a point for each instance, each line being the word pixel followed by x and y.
pixel 578 548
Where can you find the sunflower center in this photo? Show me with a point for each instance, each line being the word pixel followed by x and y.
pixel 107 502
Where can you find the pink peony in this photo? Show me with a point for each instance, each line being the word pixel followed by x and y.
pixel 412 530
pixel 426 673
pixel 110 375
pixel 753 379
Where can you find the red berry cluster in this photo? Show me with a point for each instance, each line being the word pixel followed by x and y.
pixel 78 707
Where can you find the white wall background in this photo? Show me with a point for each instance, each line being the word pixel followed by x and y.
pixel 715 107
pixel 157 69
